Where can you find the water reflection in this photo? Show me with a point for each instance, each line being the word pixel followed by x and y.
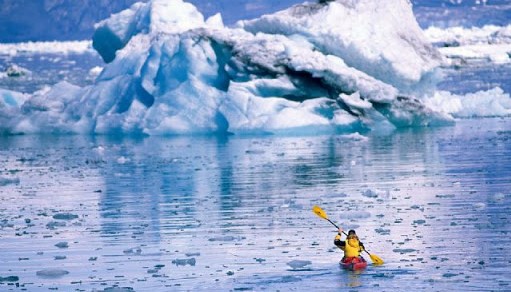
pixel 433 202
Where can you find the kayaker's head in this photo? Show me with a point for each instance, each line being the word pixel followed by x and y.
pixel 352 234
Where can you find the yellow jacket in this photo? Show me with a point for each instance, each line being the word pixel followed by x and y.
pixel 352 247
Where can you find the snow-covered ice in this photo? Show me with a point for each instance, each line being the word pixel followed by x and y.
pixel 69 47
pixel 309 69
pixel 172 72
pixel 478 44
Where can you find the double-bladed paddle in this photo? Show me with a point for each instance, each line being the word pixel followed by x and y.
pixel 322 214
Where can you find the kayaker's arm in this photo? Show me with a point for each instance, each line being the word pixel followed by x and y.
pixel 338 242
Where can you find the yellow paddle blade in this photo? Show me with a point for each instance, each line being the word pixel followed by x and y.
pixel 318 211
pixel 376 259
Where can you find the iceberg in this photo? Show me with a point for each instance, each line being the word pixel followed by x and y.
pixel 340 66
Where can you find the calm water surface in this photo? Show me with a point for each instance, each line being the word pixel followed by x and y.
pixel 207 213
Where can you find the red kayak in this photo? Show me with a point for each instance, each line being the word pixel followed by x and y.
pixel 353 264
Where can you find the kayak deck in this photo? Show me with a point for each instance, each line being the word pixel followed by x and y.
pixel 353 265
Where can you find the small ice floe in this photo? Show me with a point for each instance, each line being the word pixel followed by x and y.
pixel 156 269
pixel 479 205
pixel 419 222
pixel 404 250
pixel 55 224
pixel 64 216
pixel 499 197
pixel 445 196
pixel 354 137
pixel 118 289
pixel 122 160
pixel 8 181
pixel 376 193
pixel 192 254
pixel 52 273
pixel 62 244
pixel 184 262
pixel 449 275
pixel 223 238
pixel 355 215
pixel 256 151
pixel 99 150
pixel 382 231
pixel 9 279
pixel 16 71
pixel 132 251
pixel 300 265
pixel 259 260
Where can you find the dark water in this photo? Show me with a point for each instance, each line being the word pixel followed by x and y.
pixel 208 213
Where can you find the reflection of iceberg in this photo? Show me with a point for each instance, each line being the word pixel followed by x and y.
pixel 342 66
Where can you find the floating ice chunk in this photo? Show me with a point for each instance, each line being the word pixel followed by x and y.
pixel 9 279
pixel 354 215
pixel 491 103
pixel 52 273
pixel 55 224
pixel 495 53
pixel 404 250
pixel 65 216
pixel 382 231
pixel 62 244
pixel 355 137
pixel 419 221
pixel 298 264
pixel 488 43
pixel 376 193
pixel 460 36
pixel 122 160
pixel 68 47
pixel 192 254
pixel 223 238
pixel 132 251
pixel 118 289
pixel 16 71
pixel 99 150
pixel 8 180
pixel 184 262
pixel 479 205
pixel 499 197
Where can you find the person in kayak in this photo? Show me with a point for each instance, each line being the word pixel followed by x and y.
pixel 352 247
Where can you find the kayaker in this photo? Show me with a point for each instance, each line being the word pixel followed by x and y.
pixel 352 247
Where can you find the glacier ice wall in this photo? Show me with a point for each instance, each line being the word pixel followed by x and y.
pixel 343 66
